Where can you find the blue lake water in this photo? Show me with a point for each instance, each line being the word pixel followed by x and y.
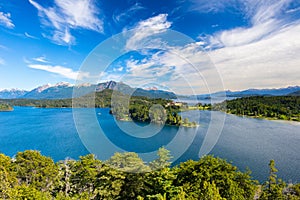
pixel 246 142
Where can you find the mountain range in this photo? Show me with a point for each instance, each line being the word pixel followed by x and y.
pixel 64 90
pixel 288 91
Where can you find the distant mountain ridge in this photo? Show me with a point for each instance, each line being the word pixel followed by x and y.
pixel 12 94
pixel 254 92
pixel 64 90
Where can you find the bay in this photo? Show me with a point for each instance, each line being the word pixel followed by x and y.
pixel 245 141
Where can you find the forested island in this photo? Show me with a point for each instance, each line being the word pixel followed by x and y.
pixel 32 176
pixel 5 107
pixel 268 107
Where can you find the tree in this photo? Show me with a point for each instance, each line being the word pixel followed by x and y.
pixel 273 188
pixel 7 177
pixel 163 159
pixel 85 171
pixel 36 170
pixel 217 176
pixel 134 169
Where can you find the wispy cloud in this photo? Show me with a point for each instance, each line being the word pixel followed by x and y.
pixel 214 6
pixel 146 28
pixel 41 59
pixel 3 47
pixel 265 54
pixel 30 36
pixel 120 16
pixel 60 70
pixel 67 15
pixel 5 20
pixel 270 62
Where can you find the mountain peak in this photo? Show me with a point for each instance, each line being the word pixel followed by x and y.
pixel 43 87
pixel 63 84
pixel 151 88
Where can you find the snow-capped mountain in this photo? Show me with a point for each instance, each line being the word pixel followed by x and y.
pixel 64 90
pixel 12 93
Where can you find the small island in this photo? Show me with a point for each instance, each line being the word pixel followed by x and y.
pixel 5 108
pixel 143 109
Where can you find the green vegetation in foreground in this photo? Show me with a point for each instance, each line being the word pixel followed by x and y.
pixel 5 107
pixel 32 176
pixel 274 107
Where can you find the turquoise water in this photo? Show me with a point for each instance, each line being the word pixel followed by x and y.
pixel 244 141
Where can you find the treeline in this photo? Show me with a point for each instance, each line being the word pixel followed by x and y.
pixel 32 176
pixel 272 107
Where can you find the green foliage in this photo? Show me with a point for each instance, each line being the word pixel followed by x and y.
pixel 5 107
pixel 28 192
pixel 36 170
pixel 275 107
pixel 7 176
pixel 199 179
pixel 273 188
pixel 33 176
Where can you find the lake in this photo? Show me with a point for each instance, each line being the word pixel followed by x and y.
pixel 246 142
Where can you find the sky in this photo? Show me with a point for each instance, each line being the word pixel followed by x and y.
pixel 235 44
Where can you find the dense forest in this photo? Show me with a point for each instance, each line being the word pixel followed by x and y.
pixel 31 175
pixel 270 107
pixel 143 109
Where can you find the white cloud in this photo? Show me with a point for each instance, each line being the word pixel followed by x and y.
pixel 262 55
pixel 30 36
pixel 5 20
pixel 41 59
pixel 145 29
pixel 126 14
pixel 63 71
pixel 271 62
pixel 63 37
pixel 118 69
pixel 68 15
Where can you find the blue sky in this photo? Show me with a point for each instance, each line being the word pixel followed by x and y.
pixel 250 43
